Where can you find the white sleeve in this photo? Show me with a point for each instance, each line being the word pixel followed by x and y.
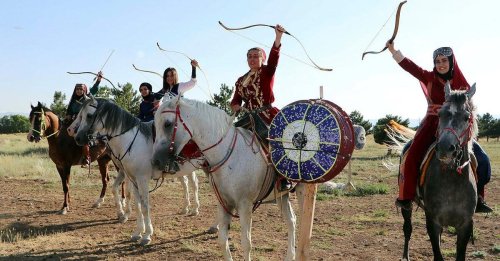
pixel 186 86
pixel 398 56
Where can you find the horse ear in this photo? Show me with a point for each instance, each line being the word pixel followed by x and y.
pixel 32 107
pixel 447 90
pixel 471 91
pixel 39 104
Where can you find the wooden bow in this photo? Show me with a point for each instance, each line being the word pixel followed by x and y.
pixel 95 74
pixel 147 71
pixel 285 32
pixel 396 27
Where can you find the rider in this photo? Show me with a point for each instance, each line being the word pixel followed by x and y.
pixel 432 83
pixel 147 107
pixel 75 105
pixel 255 88
pixel 171 82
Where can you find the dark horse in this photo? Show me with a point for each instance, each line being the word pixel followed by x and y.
pixel 449 194
pixel 63 150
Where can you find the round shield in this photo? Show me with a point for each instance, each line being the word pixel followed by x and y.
pixel 311 141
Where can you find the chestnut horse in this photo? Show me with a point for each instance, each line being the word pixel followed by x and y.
pixel 63 150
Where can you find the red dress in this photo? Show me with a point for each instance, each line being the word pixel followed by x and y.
pixel 433 87
pixel 256 89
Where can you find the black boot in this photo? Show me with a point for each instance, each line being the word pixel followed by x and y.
pixel 481 206
pixel 404 204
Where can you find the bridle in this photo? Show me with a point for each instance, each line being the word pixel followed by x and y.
pixel 463 138
pixel 43 125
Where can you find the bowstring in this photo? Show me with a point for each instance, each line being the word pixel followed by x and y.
pixel 267 46
pixel 380 30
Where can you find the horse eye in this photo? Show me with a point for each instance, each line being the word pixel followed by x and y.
pixel 167 124
pixel 89 116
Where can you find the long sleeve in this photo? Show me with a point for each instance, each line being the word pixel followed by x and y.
pixel 236 96
pixel 95 88
pixel 415 70
pixel 186 86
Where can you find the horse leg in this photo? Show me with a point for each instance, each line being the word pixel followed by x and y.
pixel 103 169
pixel 193 183
pixel 434 231
pixel 463 236
pixel 118 201
pixel 64 173
pixel 290 220
pixel 185 189
pixel 143 189
pixel 224 220
pixel 137 234
pixel 407 229
pixel 245 212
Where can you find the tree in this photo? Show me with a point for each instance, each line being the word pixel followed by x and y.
pixel 58 105
pixel 14 124
pixel 127 98
pixel 104 92
pixel 222 99
pixel 357 118
pixel 379 134
pixel 485 124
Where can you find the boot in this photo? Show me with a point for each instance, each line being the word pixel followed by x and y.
pixel 404 204
pixel 86 156
pixel 481 206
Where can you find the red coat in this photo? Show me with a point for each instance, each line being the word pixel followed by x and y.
pixel 433 87
pixel 258 91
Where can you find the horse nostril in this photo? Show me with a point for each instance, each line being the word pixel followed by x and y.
pixel 451 148
pixel 156 163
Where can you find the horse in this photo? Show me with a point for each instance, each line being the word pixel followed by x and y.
pixel 63 150
pixel 130 144
pixel 240 175
pixel 448 194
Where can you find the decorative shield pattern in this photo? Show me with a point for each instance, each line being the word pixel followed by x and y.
pixel 311 141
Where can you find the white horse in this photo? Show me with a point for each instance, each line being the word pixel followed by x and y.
pixel 130 143
pixel 239 172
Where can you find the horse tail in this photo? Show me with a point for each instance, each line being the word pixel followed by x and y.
pixel 399 136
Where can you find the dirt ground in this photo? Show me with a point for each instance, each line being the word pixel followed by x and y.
pixel 345 228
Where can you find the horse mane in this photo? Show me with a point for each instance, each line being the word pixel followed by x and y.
pixel 200 108
pixel 118 119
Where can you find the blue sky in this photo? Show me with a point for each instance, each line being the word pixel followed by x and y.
pixel 42 40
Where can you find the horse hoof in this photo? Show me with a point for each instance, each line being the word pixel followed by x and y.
pixel 63 211
pixel 193 213
pixel 135 238
pixel 184 212
pixel 145 241
pixel 213 230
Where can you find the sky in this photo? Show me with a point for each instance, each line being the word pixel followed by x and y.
pixel 42 40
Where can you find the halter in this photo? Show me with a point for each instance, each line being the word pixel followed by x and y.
pixel 43 125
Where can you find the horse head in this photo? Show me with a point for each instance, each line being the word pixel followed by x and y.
pixel 86 122
pixel 360 137
pixel 457 124
pixel 172 132
pixel 38 123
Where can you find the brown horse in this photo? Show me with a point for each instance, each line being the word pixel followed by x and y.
pixel 63 150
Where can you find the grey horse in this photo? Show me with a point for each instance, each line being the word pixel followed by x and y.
pixel 449 194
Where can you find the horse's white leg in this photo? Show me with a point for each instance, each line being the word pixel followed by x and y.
pixel 184 182
pixel 144 197
pixel 136 235
pixel 290 220
pixel 245 212
pixel 117 196
pixel 224 221
pixel 193 183
pixel 127 201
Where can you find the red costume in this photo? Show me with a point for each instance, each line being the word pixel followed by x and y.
pixel 256 89
pixel 433 87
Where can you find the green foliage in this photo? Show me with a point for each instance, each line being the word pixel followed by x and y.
pixel 478 254
pixel 357 118
pixel 104 92
pixel 127 98
pixel 223 99
pixel 58 105
pixel 489 127
pixel 379 134
pixel 14 124
pixel 495 249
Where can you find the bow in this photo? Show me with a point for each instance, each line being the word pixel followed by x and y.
pixel 147 71
pixel 95 74
pixel 285 32
pixel 396 27
pixel 198 66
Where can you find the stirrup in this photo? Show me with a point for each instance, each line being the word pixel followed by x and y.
pixel 482 207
